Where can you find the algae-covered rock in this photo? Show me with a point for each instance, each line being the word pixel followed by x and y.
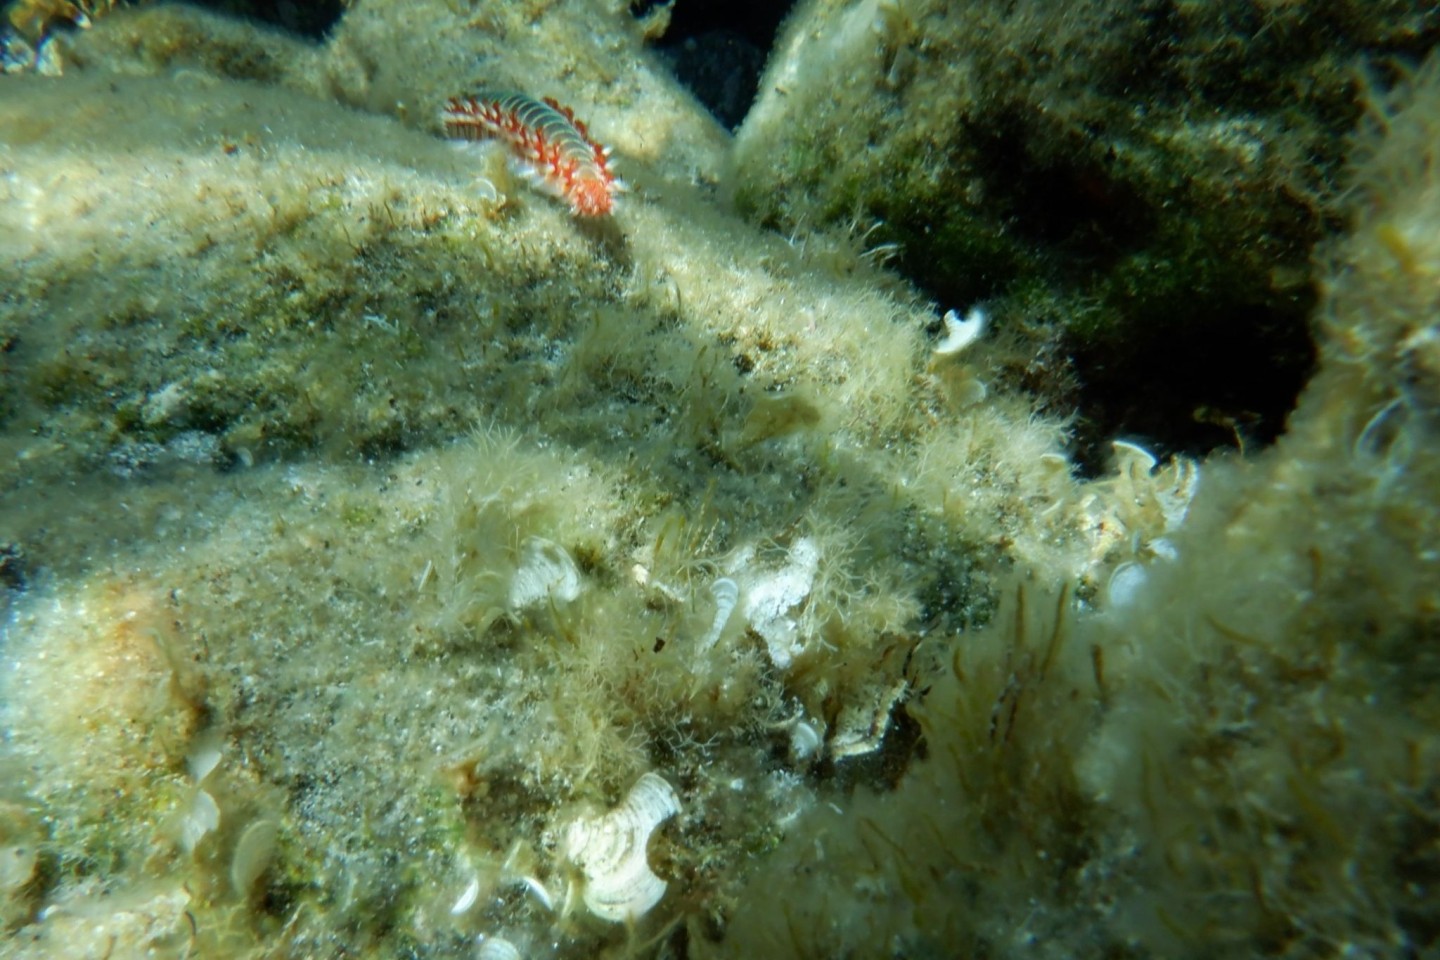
pixel 298 389
pixel 1236 755
pixel 375 521
pixel 1146 181
pixel 182 257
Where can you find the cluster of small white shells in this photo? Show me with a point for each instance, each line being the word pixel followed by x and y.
pixel 610 850
pixel 1149 504
pixel 546 575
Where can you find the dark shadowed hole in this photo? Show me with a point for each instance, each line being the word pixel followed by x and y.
pixel 1228 382
pixel 717 49
pixel 311 19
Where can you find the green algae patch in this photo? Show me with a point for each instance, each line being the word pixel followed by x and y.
pixel 1160 190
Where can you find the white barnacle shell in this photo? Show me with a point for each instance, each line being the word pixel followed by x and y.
pixel 546 573
pixel 726 593
pixel 610 850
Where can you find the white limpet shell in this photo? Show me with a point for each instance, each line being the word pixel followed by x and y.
pixel 546 573
pixel 610 851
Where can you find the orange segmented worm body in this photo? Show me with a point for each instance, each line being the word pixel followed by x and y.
pixel 547 144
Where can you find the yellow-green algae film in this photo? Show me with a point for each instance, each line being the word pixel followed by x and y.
pixel 394 566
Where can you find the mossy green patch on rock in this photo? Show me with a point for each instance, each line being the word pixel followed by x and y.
pixel 1123 154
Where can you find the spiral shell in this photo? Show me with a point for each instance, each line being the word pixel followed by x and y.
pixel 726 594
pixel 610 850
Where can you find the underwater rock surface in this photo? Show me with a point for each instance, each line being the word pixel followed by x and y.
pixel 1138 187
pixel 395 565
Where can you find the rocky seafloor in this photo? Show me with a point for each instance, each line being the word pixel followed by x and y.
pixel 395 564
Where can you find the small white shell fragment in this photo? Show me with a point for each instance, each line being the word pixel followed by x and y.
pixel 1175 498
pixel 1132 459
pixel 546 573
pixel 771 595
pixel 1055 464
pixel 48 62
pixel 610 850
pixel 959 334
pixel 253 854
pixel 204 756
pixel 861 728
pixel 497 948
pixel 1164 549
pixel 538 890
pixel 726 593
pixel 467 898
pixel 202 817
pixel 805 741
pixel 1125 585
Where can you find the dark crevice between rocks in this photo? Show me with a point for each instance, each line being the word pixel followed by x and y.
pixel 311 19
pixel 717 48
pixel 1228 380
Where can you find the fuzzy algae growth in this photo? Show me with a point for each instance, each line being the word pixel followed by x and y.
pixel 368 524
